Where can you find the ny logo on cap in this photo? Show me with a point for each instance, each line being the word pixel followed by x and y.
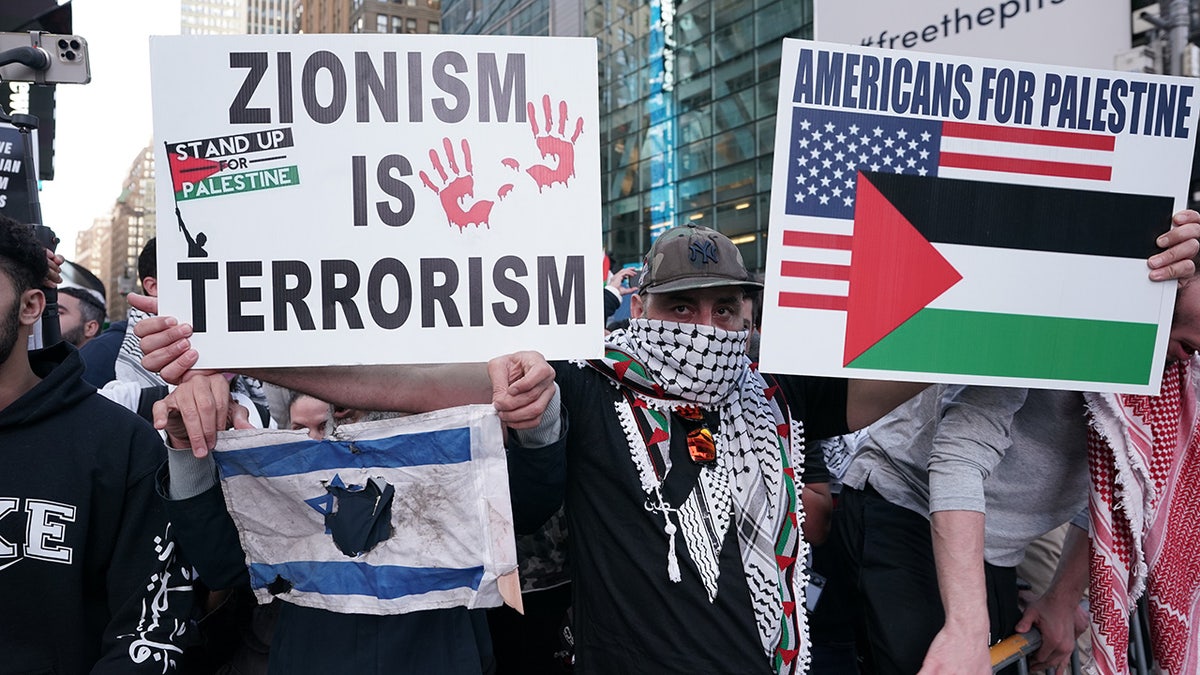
pixel 703 251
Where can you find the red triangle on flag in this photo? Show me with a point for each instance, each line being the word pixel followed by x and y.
pixel 771 391
pixel 784 561
pixel 791 472
pixel 190 170
pixel 788 608
pixel 621 366
pixel 894 271
pixel 658 436
pixel 788 655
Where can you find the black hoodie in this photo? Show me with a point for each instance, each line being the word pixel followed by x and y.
pixel 88 575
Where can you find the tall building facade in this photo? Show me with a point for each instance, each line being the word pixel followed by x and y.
pixel 371 16
pixel 270 17
pixel 212 17
pixel 237 17
pixel 93 250
pixel 687 105
pixel 111 246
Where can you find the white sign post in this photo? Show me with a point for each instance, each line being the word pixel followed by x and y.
pixel 346 199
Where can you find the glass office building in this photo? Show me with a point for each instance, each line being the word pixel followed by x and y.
pixel 687 105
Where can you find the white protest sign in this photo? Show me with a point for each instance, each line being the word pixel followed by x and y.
pixel 1088 33
pixel 950 219
pixel 343 199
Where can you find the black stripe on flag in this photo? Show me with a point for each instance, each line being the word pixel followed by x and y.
pixel 1033 218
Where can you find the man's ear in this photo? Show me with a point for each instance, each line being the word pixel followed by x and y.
pixel 33 302
pixel 90 329
pixel 150 285
pixel 637 306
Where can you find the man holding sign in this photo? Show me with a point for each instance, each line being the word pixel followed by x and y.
pixel 659 433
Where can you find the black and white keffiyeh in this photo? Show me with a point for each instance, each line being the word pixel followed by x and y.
pixel 751 485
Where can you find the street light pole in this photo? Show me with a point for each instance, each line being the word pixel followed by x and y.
pixel 1176 19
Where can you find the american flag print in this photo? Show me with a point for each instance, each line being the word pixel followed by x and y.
pixel 829 148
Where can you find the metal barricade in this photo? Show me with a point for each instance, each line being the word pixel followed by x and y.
pixel 1015 649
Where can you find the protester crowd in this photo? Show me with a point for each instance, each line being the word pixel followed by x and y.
pixel 674 506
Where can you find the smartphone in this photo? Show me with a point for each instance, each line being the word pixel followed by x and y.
pixel 68 58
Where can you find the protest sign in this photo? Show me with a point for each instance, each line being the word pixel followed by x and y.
pixel 14 181
pixel 963 220
pixel 343 199
pixel 1088 33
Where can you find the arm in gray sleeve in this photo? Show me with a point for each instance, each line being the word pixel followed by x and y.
pixel 550 429
pixel 972 436
pixel 187 475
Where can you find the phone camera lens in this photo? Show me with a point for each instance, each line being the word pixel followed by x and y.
pixel 75 44
pixel 62 44
pixel 69 55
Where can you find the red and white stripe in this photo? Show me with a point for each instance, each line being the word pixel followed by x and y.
pixel 815 270
pixel 979 150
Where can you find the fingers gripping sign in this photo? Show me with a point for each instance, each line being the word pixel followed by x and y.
pixel 522 387
pixel 1178 261
pixel 457 188
pixel 196 410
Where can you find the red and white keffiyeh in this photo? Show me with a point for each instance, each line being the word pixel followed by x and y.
pixel 1144 457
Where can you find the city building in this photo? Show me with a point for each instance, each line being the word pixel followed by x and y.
pixel 687 105
pixel 93 250
pixel 371 16
pixel 212 17
pixel 270 17
pixel 237 17
pixel 110 247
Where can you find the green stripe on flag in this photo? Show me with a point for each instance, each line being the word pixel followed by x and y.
pixel 1014 345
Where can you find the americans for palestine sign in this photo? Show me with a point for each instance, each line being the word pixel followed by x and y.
pixel 962 220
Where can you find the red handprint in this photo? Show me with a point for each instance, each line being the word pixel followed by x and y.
pixel 558 146
pixel 455 190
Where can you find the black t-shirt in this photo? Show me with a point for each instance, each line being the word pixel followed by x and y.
pixel 629 617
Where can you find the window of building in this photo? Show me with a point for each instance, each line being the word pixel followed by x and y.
pixel 381 23
pixel 397 24
pixel 435 27
pixel 734 146
pixel 695 158
pixel 735 181
pixel 695 192
pixel 411 25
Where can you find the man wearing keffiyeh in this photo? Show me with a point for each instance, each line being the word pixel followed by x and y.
pixel 683 485
pixel 1144 456
pixel 685 469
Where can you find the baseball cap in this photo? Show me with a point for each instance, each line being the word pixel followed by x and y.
pixel 690 257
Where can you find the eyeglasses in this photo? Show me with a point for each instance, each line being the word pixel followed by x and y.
pixel 701 446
